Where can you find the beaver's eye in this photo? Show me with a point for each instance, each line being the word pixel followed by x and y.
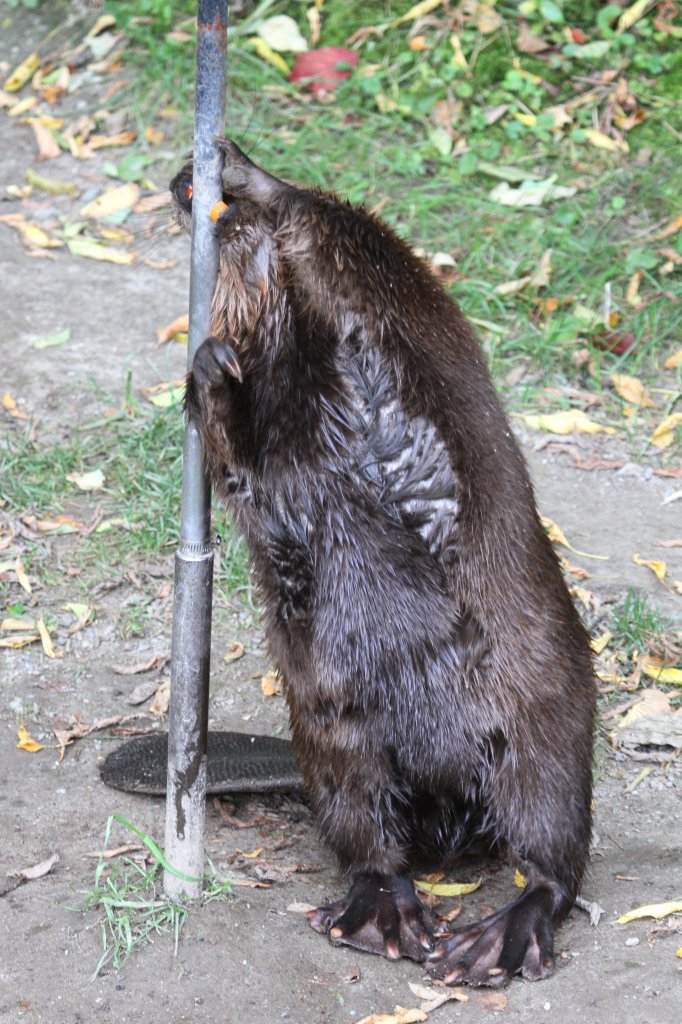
pixel 188 193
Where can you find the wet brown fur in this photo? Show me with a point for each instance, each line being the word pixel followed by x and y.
pixel 438 678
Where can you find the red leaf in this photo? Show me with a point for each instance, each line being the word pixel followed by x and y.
pixel 578 36
pixel 318 70
pixel 613 341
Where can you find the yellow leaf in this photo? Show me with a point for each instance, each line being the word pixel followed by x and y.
pixel 178 326
pixel 602 141
pixel 120 139
pixel 653 704
pixel 92 481
pixel 22 578
pixel 632 14
pixel 678 952
pixel 657 568
pixel 154 135
pixel 89 249
pixel 15 642
pixel 600 642
pixel 653 667
pixel 267 54
pixel 566 422
pixel 459 60
pixel 48 646
pixel 400 1016
pixel 656 910
pixel 9 405
pixel 542 273
pixel 16 625
pixel 112 201
pixel 23 106
pixel 632 294
pixel 36 236
pixel 447 888
pixel 22 73
pixel 252 855
pixel 664 434
pixel 610 677
pixel 103 22
pixel 271 684
pixel 672 362
pixel 513 287
pixel 520 881
pixel 528 119
pixel 418 11
pixel 27 742
pixel 631 389
pixel 557 536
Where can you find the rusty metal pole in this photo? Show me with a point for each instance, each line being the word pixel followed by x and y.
pixel 191 645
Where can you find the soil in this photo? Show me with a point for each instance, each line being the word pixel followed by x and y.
pixel 252 958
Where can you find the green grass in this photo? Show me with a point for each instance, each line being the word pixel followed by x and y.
pixel 131 905
pixel 383 140
pixel 635 623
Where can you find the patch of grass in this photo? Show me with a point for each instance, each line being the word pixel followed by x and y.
pixel 636 622
pixel 428 135
pixel 128 894
pixel 141 457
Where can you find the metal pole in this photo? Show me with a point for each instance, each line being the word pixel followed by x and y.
pixel 191 645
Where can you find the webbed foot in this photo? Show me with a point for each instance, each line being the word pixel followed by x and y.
pixel 516 940
pixel 381 914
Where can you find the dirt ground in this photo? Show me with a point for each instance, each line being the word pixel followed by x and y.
pixel 252 959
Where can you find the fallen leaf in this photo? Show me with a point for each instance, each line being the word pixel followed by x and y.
pixel 53 339
pixel 632 293
pixel 156 662
pixel 267 54
pixel 38 870
pixel 528 42
pixel 613 341
pixel 542 273
pixel 399 1016
pixel 318 70
pixel 432 998
pixel 48 147
pixel 178 326
pixel 165 395
pixel 417 11
pixel 252 855
pixel 282 34
pixel 531 192
pixel 154 135
pixel 16 625
pixel 654 668
pixel 14 643
pixel 271 684
pixel 513 287
pixel 50 185
pixel 113 200
pixel 46 639
pixel 22 578
pixel 598 643
pixel 234 652
pixel 632 14
pixel 142 692
pixel 447 888
pixel 602 141
pixel 120 139
pixel 9 405
pixel 91 481
pixel 672 362
pixel 27 742
pixel 632 390
pixel 90 249
pixel 557 536
pixel 652 703
pixel 21 74
pixel 566 422
pixel 84 613
pixel 664 434
pixel 159 705
pixel 657 568
pixel 32 234
pixel 655 910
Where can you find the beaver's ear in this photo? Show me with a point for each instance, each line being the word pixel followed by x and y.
pixel 241 177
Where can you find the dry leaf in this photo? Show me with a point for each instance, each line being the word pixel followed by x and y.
pixel 496 1002
pixel 156 662
pixel 566 422
pixel 123 197
pixel 632 390
pixel 664 434
pixel 447 888
pixel 655 669
pixel 22 578
pixel 91 481
pixel 159 705
pixel 16 625
pixel 632 294
pixel 48 147
pixel 657 568
pixel 178 326
pixel 513 287
pixel 600 642
pixel 27 742
pixel 655 910
pixel 234 652
pixel 541 275
pixel 90 249
pixel 557 536
pixel 632 14
pixel 166 394
pixel 400 1015
pixel 154 135
pixel 432 998
pixel 9 405
pixel 46 639
pixel 21 74
pixel 14 643
pixel 651 704
pixel 271 684
pixel 672 362
pixel 38 870
pixel 602 141
pixel 418 11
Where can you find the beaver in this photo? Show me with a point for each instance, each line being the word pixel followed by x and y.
pixel 438 678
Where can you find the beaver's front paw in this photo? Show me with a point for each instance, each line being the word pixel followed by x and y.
pixel 214 361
